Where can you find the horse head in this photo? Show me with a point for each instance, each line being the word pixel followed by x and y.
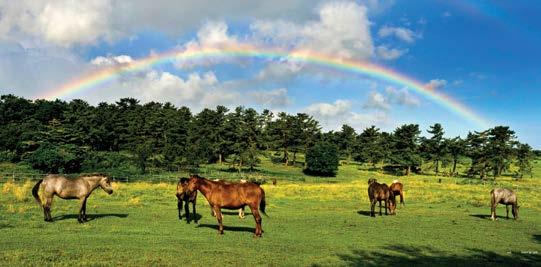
pixel 105 184
pixel 193 183
pixel 371 180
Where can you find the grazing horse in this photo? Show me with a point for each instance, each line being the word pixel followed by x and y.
pixel 78 188
pixel 184 196
pixel 398 189
pixel 503 196
pixel 380 192
pixel 231 196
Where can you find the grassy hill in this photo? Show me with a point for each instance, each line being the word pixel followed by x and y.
pixel 313 221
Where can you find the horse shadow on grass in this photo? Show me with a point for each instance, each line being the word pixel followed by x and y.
pixel 229 228
pixel 481 216
pixel 90 217
pixel 400 255
pixel 364 212
pixel 537 238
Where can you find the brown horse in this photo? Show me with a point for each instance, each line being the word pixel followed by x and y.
pixel 241 210
pixel 380 192
pixel 184 196
pixel 78 188
pixel 503 196
pixel 231 196
pixel 398 189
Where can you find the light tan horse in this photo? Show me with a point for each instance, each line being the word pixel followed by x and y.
pixel 78 188
pixel 231 196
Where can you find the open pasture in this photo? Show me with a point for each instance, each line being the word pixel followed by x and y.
pixel 311 223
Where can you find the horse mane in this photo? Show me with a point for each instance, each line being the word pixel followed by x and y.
pixel 183 180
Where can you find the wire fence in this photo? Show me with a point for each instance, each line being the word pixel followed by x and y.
pixel 150 177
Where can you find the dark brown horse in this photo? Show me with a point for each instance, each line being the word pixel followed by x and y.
pixel 78 188
pixel 231 196
pixel 380 192
pixel 398 189
pixel 184 196
pixel 503 196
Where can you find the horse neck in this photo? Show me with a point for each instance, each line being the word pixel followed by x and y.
pixel 205 187
pixel 93 182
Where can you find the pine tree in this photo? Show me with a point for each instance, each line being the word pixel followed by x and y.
pixel 434 147
pixel 405 147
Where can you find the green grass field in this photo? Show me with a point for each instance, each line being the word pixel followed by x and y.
pixel 313 221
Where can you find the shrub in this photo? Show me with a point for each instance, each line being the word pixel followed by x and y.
pixel 322 159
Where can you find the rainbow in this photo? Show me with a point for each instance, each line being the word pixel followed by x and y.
pixel 103 75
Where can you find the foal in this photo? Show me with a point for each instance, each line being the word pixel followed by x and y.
pixel 380 192
pixel 231 196
pixel 78 188
pixel 184 196
pixel 504 196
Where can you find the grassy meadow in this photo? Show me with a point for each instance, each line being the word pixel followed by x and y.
pixel 312 221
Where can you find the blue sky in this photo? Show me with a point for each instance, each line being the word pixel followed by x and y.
pixel 485 54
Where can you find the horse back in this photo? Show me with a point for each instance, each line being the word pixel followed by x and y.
pixel 237 195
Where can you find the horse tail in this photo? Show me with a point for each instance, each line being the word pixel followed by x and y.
pixel 35 190
pixel 263 203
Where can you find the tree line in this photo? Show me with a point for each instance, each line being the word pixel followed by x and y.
pixel 74 136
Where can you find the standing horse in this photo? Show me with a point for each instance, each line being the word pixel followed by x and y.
pixel 380 192
pixel 398 189
pixel 184 196
pixel 241 210
pixel 231 196
pixel 503 196
pixel 78 188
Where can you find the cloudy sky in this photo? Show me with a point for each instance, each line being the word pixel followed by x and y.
pixel 483 54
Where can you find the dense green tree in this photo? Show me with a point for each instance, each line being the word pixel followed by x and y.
pixel 405 146
pixel 477 151
pixel 525 156
pixel 369 147
pixel 322 159
pixel 434 148
pixel 500 148
pixel 456 148
pixel 346 141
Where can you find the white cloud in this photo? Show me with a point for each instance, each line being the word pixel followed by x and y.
pixel 343 30
pixel 401 97
pixel 111 60
pixel 333 115
pixel 60 22
pixel 436 84
pixel 271 98
pixel 401 33
pixel 389 53
pixel 446 14
pixel 376 100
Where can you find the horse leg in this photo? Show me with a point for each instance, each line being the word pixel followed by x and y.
pixel 218 214
pixel 373 208
pixel 493 212
pixel 47 208
pixel 379 207
pixel 257 217
pixel 386 206
pixel 402 198
pixel 241 213
pixel 194 213
pixel 84 210
pixel 179 206
pixel 80 217
pixel 187 210
pixel 507 210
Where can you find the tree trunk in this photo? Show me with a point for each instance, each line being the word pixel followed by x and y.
pixel 294 158
pixel 437 167
pixel 454 166
pixel 408 170
pixel 305 152
pixel 286 157
pixel 220 158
